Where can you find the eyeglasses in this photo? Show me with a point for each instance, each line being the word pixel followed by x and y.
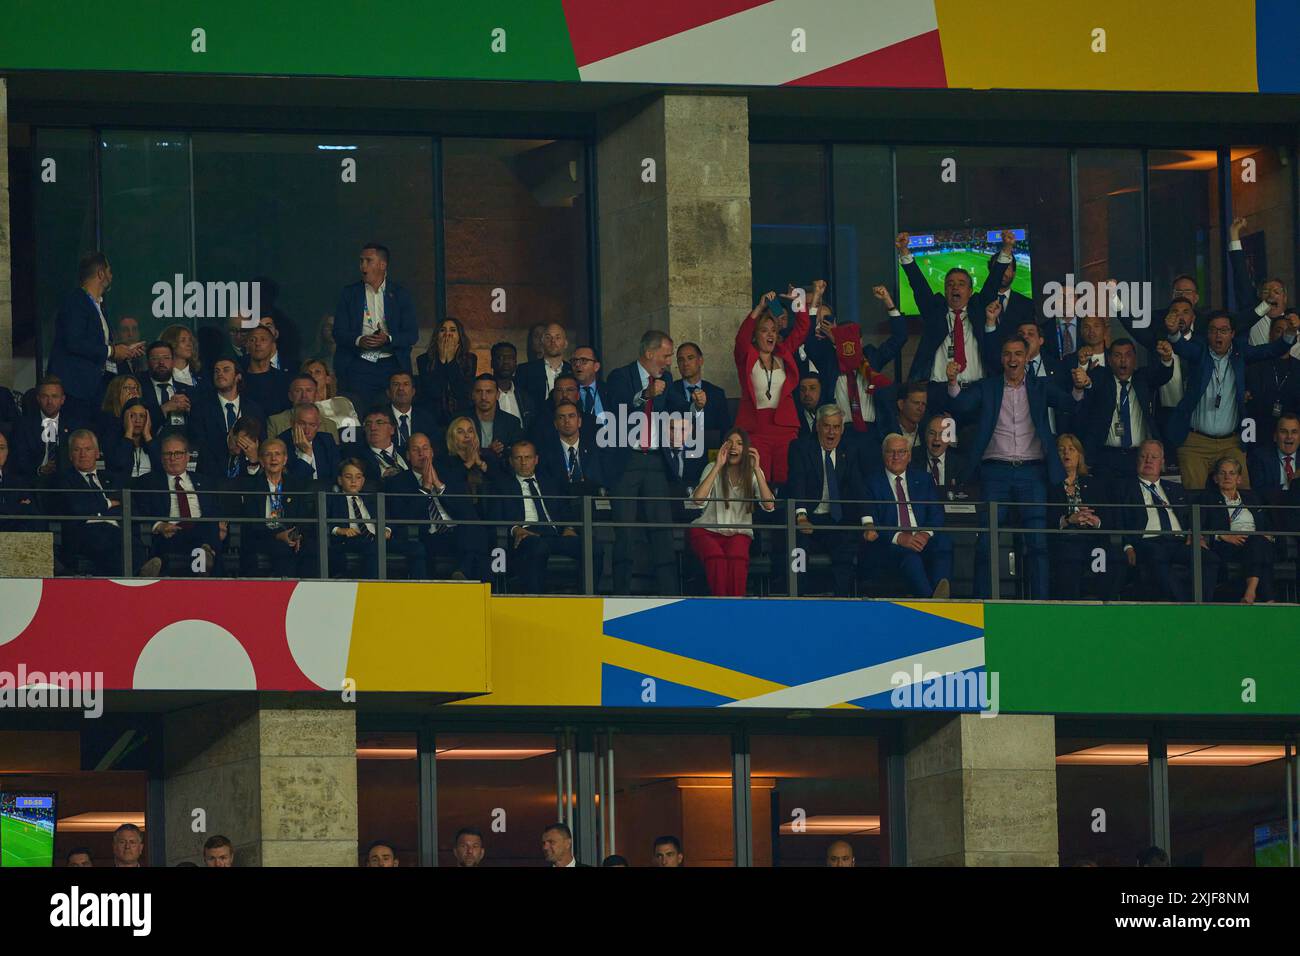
pixel 176 454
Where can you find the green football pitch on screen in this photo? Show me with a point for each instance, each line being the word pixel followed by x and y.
pixel 25 844
pixel 935 266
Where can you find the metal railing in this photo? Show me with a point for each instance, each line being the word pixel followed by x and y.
pixel 589 513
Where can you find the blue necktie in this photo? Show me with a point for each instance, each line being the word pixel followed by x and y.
pixel 588 403
pixel 833 487
pixel 1162 508
pixel 403 431
pixel 1126 426
pixel 575 466
pixel 230 415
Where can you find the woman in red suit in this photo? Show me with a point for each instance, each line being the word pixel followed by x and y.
pixel 769 375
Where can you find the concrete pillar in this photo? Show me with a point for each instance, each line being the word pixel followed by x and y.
pixel 981 791
pixel 6 283
pixel 674 252
pixel 280 780
pixel 26 554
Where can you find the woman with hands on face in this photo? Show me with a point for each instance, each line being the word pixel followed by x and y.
pixel 726 494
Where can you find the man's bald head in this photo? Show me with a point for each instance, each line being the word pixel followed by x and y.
pixel 840 853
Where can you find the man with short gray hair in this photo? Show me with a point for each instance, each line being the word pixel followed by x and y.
pixel 171 500
pixel 908 500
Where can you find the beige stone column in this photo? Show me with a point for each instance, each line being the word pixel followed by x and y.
pixel 279 779
pixel 674 249
pixel 6 283
pixel 981 791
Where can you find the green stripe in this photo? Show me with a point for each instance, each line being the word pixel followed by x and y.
pixel 400 38
pixel 1126 659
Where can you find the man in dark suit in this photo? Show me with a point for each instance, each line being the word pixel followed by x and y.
pixel 442 500
pixel 313 455
pixel 908 500
pixel 593 394
pixel 14 503
pixel 170 499
pixel 1274 465
pixel 40 445
pixel 283 506
pixel 1273 386
pixel 1015 308
pixel 528 502
pixel 1150 507
pixel 569 457
pixel 375 326
pixel 691 393
pixel 302 388
pixel 497 430
pixel 505 359
pixel 378 448
pixel 214 413
pixel 408 417
pixel 955 323
pixel 946 467
pixel 635 469
pixel 83 355
pixel 169 401
pixel 1015 450
pixel 1119 412
pixel 826 475
pixel 264 384
pixel 1256 308
pixel 93 496
pixel 807 400
pixel 1204 426
pixel 537 378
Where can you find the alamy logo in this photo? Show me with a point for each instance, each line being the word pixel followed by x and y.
pixel 207 300
pixel 74 908
pixel 1081 298
pixel 66 690
pixel 931 690
pixel 681 431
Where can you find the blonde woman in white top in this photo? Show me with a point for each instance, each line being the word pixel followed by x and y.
pixel 726 493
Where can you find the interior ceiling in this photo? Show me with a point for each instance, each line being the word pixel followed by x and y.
pixel 775 112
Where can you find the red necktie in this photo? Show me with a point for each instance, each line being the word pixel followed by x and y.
pixel 903 520
pixel 855 402
pixel 183 503
pixel 1289 469
pixel 959 340
pixel 934 472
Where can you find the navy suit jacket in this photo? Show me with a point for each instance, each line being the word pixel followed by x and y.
pixel 399 316
pixel 80 500
pixel 1100 401
pixel 531 379
pixel 955 467
pixel 157 420
pixel 625 389
pixel 808 470
pixel 15 503
pixel 505 429
pixel 80 349
pixel 510 506
pixel 553 459
pixel 420 419
pixel 1133 515
pixel 1265 465
pixel 326 452
pixel 717 414
pixel 920 490
pixel 1019 308
pixel 154 497
pixel 934 314
pixel 208 429
pixel 269 390
pixel 986 397
pixel 1199 369
pixel 27 447
pixel 374 467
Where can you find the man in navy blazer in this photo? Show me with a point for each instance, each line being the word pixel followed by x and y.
pixel 211 420
pixel 940 314
pixel 166 506
pixel 94 497
pixel 1016 308
pixel 527 499
pixel 537 378
pixel 41 437
pixel 169 401
pixel 440 499
pixel 638 472
pixel 908 499
pixel 497 429
pixel 1119 411
pixel 1274 465
pixel 569 456
pixel 1014 450
pixel 692 393
pixel 1205 424
pixel 823 497
pixel 313 454
pixel 375 327
pixel 83 355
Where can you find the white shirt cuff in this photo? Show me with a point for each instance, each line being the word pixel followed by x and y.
pixel 1235 245
pixel 905 259
pixel 1004 258
pixel 1262 309
pixel 894 313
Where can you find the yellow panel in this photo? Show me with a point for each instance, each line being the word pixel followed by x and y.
pixel 545 652
pixel 425 637
pixel 963 612
pixel 684 670
pixel 1204 45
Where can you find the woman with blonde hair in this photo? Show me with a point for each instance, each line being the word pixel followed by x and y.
pixel 1069 508
pixel 331 405
pixel 132 451
pixel 463 451
pixel 186 366
pixel 120 390
pixel 726 494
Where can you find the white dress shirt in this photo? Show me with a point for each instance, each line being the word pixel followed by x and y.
pixel 509 402
pixel 1137 424
pixel 1240 520
pixel 373 321
pixel 1153 513
pixel 357 510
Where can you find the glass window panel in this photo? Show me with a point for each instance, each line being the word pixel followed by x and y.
pixel 1227 803
pixel 65 219
pixel 388 793
pixel 864 236
pixel 1183 203
pixel 678 785
pixel 1262 194
pixel 788 238
pixel 516 221
pixel 1103 804
pixel 1109 185
pixel 809 793
pixel 508 778
pixel 146 227
pixel 275 208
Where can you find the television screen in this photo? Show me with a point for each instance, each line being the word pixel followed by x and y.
pixel 27 829
pixel 969 249
pixel 1270 843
